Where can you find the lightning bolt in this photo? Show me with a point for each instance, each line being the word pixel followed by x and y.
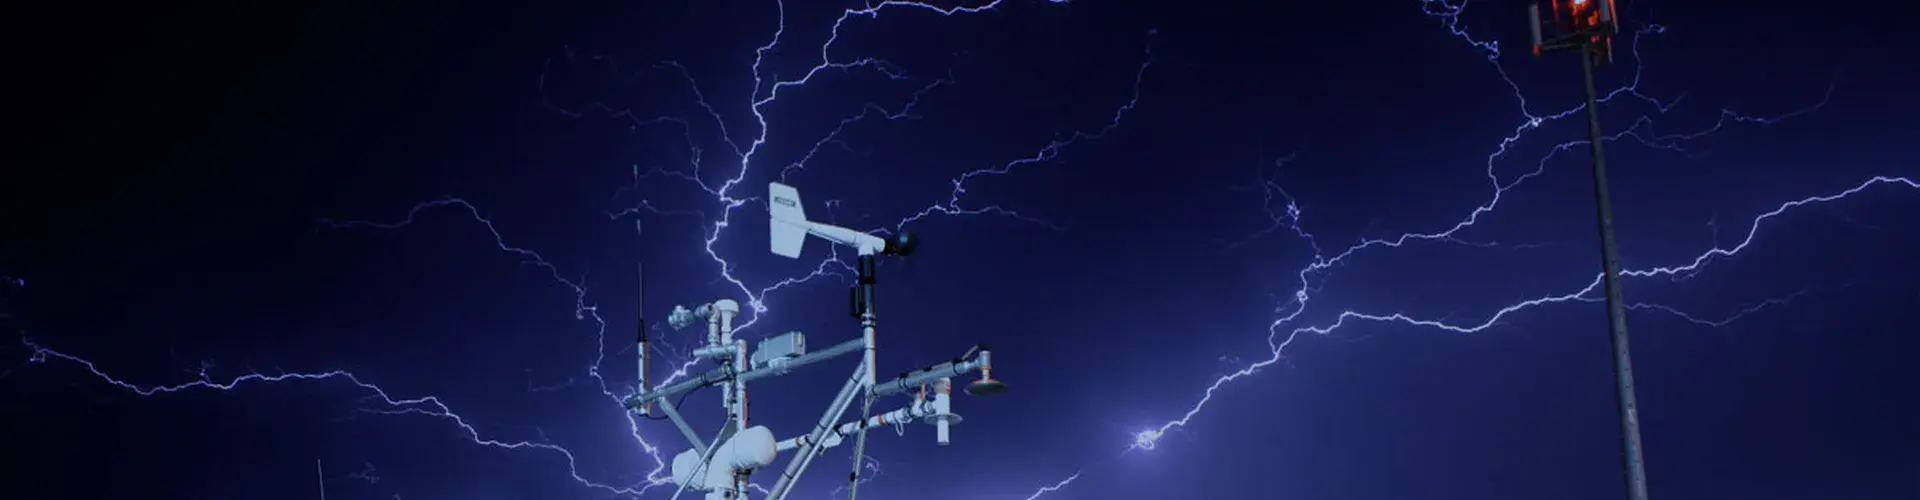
pixel 832 265
pixel 766 92
pixel 1283 331
pixel 743 149
pixel 428 406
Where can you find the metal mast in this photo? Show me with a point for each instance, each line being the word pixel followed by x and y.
pixel 1592 27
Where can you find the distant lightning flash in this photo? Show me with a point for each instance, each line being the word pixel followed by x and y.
pixel 1282 333
pixel 765 93
pixel 427 405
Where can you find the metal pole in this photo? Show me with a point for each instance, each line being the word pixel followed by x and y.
pixel 810 448
pixel 866 409
pixel 1616 306
pixel 860 448
pixel 673 414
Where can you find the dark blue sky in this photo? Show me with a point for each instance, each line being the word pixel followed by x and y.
pixel 216 194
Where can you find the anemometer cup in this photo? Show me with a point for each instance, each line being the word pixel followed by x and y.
pixel 985 387
pixel 901 244
pixel 950 418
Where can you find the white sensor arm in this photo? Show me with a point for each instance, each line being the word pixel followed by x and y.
pixel 982 359
pixel 722 374
pixel 790 227
pixel 940 406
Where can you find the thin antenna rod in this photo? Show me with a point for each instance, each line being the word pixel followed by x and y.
pixel 320 474
pixel 640 334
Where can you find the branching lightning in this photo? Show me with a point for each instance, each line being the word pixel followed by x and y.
pixel 1284 211
pixel 765 93
pixel 1282 332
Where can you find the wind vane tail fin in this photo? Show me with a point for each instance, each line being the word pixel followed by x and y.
pixel 789 220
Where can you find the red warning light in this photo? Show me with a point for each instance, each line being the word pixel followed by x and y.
pixel 1577 23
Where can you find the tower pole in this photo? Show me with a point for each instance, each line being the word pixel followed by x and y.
pixel 1629 405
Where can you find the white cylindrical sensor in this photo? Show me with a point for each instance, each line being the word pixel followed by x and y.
pixel 942 409
pixel 940 432
pixel 752 448
pixel 684 466
pixel 713 330
pixel 725 309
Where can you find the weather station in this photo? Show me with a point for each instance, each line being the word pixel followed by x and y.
pixel 721 466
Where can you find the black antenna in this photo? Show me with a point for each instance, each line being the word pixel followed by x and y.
pixel 640 334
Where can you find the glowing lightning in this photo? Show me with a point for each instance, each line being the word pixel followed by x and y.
pixel 1054 487
pixel 765 94
pixel 721 193
pixel 1281 335
pixel 428 405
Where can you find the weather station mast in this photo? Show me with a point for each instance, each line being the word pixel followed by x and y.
pixel 721 466
pixel 1587 28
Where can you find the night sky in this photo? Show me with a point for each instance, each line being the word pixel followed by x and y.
pixel 1337 251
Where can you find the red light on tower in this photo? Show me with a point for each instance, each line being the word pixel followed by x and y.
pixel 1594 19
pixel 1576 23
